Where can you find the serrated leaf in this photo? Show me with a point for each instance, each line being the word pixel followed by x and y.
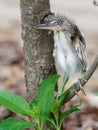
pixel 45 98
pixel 15 124
pixel 51 80
pixel 68 112
pixel 46 104
pixel 14 103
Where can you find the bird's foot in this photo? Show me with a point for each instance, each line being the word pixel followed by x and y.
pixel 85 80
pixel 76 92
pixel 61 88
pixel 82 76
pixel 57 94
pixel 81 87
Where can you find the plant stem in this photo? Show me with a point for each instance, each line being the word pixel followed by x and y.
pixel 58 128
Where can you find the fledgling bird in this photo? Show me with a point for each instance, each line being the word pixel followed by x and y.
pixel 69 46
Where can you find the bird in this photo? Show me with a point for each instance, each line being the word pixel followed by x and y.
pixel 69 52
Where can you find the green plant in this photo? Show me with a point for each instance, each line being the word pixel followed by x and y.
pixel 46 103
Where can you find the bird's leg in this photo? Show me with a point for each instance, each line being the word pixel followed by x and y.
pixel 61 88
pixel 82 76
pixel 76 92
pixel 81 87
pixel 65 80
pixel 85 80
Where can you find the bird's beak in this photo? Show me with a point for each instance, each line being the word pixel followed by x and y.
pixel 51 25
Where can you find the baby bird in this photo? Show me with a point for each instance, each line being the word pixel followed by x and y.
pixel 69 46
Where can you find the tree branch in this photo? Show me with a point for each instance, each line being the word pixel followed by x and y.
pixel 71 92
pixel 38 45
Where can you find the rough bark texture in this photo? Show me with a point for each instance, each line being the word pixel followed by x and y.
pixel 38 45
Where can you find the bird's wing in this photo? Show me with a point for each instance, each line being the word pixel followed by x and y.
pixel 80 49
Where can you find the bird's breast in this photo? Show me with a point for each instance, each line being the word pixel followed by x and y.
pixel 65 58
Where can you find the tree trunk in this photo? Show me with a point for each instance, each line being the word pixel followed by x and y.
pixel 38 45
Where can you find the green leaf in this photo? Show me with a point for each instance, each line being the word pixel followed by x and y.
pixel 68 112
pixel 58 102
pixel 55 109
pixel 45 85
pixel 14 124
pixel 46 104
pixel 52 122
pixel 14 103
pixel 45 98
pixel 63 95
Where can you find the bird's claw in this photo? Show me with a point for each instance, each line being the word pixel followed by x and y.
pixel 81 87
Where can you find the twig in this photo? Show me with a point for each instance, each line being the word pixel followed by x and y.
pixel 71 92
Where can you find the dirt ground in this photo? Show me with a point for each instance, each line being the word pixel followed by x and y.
pixel 85 15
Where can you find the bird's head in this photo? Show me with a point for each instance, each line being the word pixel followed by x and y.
pixel 56 23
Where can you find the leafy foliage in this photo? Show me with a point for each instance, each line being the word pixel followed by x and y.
pixel 46 103
pixel 14 103
pixel 45 99
pixel 68 112
pixel 14 124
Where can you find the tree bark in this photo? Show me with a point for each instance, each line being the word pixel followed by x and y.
pixel 38 45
